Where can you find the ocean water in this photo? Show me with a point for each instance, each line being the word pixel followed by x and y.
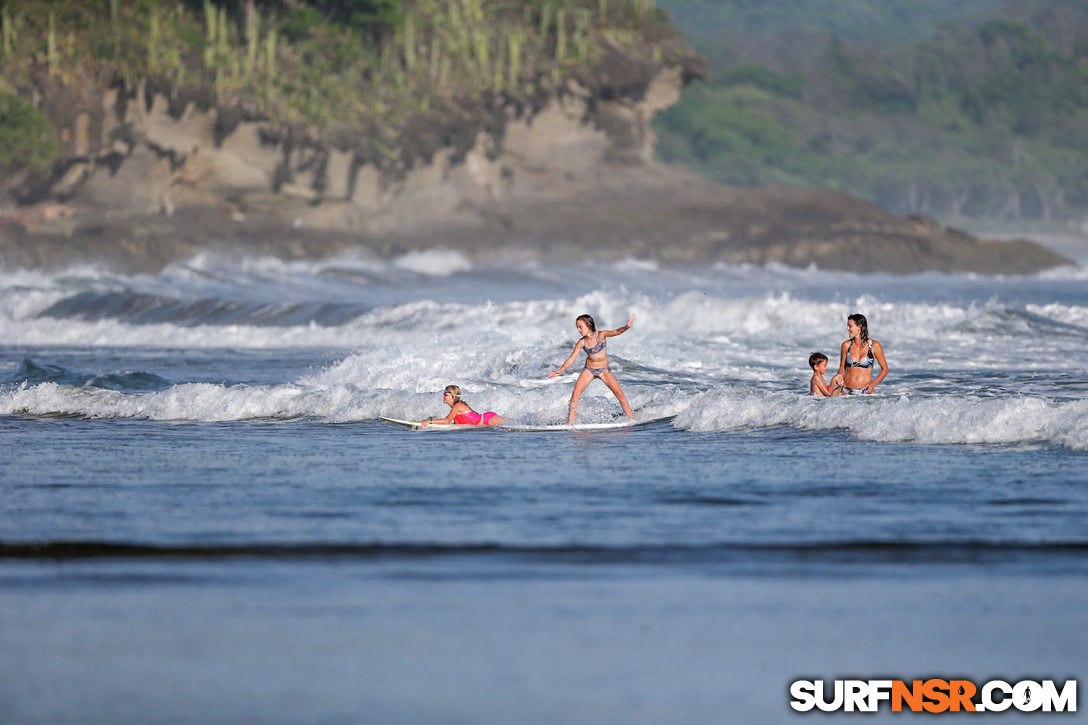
pixel 202 519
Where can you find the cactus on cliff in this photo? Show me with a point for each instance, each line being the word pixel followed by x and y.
pixel 253 39
pixel 51 54
pixel 211 17
pixel 153 41
pixel 8 32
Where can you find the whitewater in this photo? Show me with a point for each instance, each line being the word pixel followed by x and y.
pixel 974 359
pixel 202 518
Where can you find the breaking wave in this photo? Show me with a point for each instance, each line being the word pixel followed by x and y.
pixel 721 348
pixel 941 419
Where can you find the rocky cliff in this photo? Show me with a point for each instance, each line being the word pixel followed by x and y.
pixel 154 174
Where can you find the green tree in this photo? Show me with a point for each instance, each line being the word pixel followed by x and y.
pixel 27 138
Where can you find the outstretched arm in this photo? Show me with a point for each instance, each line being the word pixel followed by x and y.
pixel 840 377
pixel 567 362
pixel 448 419
pixel 427 421
pixel 878 352
pixel 618 330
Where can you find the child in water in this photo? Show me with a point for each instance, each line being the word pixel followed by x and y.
pixel 818 362
pixel 460 412
pixel 593 343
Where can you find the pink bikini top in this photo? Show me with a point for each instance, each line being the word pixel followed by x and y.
pixel 469 418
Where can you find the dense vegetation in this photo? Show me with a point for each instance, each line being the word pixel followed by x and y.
pixel 325 68
pixel 26 138
pixel 973 109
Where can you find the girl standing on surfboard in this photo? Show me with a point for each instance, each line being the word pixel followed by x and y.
pixel 593 344
pixel 460 412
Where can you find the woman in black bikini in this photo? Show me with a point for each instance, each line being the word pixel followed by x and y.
pixel 856 359
pixel 593 343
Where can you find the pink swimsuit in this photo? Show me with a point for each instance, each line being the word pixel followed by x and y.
pixel 473 418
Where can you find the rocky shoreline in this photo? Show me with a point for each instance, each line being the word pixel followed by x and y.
pixel 686 221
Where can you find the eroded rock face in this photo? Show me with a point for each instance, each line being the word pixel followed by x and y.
pixel 159 175
pixel 156 152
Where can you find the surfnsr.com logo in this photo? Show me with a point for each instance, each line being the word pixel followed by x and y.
pixel 933 695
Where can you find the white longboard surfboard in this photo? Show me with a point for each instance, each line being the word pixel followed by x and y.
pixel 417 425
pixel 564 426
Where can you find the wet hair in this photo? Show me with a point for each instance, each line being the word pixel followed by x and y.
pixel 455 391
pixel 861 322
pixel 589 322
pixel 815 359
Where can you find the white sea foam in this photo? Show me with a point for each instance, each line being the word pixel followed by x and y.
pixel 742 332
pixel 934 420
pixel 207 403
pixel 436 262
pixel 1066 273
pixel 630 264
pixel 693 336
pixel 1066 314
pixel 943 419
pixel 193 402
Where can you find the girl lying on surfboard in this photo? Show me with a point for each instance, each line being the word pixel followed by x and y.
pixel 593 344
pixel 460 412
